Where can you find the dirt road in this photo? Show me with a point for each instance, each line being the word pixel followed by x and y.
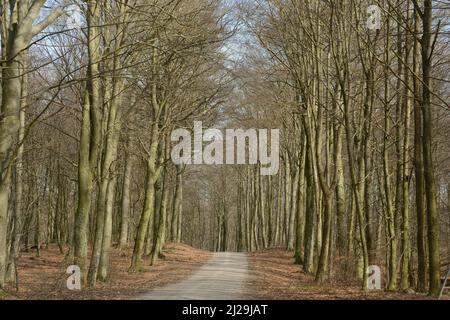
pixel 221 278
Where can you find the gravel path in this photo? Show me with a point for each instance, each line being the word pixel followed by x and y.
pixel 221 278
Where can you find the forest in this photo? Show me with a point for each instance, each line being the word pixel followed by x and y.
pixel 93 90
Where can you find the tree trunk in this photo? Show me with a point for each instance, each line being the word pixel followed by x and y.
pixel 299 219
pixel 418 165
pixel 176 210
pixel 125 219
pixel 427 141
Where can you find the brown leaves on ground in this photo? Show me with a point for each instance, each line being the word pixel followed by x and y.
pixel 273 275
pixel 45 277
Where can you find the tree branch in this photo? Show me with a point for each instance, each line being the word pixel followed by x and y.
pixel 47 21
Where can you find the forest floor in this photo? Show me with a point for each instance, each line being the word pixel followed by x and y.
pixel 269 274
pixel 273 275
pixel 45 277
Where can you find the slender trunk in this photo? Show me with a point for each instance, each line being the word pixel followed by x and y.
pixel 176 210
pixel 287 198
pixel 149 201
pixel 161 226
pixel 125 219
pixel 340 195
pixel 390 209
pixel 310 217
pixel 293 210
pixel 427 141
pixel 299 217
pixel 107 231
pixel 18 197
pixel 418 166
pixel 89 140
pixel 406 252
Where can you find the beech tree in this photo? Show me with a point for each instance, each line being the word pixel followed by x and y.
pixel 88 110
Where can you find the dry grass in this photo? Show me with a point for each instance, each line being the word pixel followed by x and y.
pixel 44 277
